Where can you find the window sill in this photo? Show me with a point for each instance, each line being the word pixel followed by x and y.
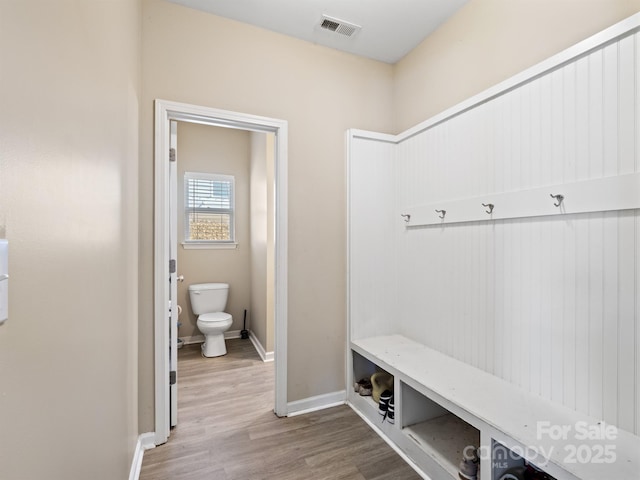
pixel 210 246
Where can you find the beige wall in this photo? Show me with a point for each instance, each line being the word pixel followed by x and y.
pixel 69 89
pixel 271 245
pixel 207 149
pixel 194 57
pixel 488 41
pixel 262 239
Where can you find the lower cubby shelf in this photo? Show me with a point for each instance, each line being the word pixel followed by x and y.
pixel 438 432
pixel 444 439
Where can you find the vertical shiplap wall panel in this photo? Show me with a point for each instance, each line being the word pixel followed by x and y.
pixel 583 165
pixel 373 219
pixel 626 323
pixel 595 259
pixel 610 318
pixel 611 69
pixel 582 315
pixel 548 303
pixel 569 129
pixel 627 134
pixel 637 248
pixel 595 301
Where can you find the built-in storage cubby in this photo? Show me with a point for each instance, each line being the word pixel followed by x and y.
pixel 509 465
pixel 363 367
pixel 444 406
pixel 437 431
pixel 503 459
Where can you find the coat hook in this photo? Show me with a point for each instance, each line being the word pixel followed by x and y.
pixel 406 217
pixel 490 206
pixel 559 198
pixel 442 213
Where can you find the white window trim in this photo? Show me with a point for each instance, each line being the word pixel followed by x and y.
pixel 210 244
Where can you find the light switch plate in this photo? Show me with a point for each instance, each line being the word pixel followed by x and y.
pixel 4 281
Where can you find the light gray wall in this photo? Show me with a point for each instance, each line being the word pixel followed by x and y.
pixel 207 149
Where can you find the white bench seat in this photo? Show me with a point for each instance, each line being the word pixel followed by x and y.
pixel 506 413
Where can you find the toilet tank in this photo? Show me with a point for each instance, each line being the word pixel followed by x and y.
pixel 208 297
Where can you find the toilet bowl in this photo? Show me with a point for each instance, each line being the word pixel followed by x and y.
pixel 208 301
pixel 212 326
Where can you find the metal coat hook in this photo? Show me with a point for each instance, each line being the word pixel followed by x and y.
pixel 406 217
pixel 442 213
pixel 490 206
pixel 559 198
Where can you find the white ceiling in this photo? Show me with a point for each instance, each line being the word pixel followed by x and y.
pixel 390 28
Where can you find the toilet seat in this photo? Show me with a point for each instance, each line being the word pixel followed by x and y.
pixel 213 317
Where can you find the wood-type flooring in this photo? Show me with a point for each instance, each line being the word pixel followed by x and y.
pixel 227 430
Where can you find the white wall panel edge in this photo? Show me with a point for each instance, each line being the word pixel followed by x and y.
pixel 368 135
pixel 370 232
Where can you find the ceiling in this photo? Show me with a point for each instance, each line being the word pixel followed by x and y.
pixel 390 28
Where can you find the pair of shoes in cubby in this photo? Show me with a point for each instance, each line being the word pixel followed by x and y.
pixel 386 406
pixel 363 387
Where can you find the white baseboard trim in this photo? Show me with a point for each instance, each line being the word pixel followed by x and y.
pixel 193 339
pixel 232 334
pixel 200 338
pixel 145 442
pixel 264 355
pixel 391 444
pixel 319 402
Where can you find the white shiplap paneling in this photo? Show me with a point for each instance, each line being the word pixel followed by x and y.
pixel 548 303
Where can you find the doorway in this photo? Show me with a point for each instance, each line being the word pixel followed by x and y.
pixel 167 112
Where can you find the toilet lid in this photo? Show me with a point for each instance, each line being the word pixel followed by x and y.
pixel 214 317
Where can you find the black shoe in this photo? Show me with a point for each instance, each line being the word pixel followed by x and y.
pixel 391 411
pixel 383 404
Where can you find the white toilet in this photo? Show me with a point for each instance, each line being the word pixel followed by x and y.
pixel 208 301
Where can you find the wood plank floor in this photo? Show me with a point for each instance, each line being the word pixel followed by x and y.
pixel 227 430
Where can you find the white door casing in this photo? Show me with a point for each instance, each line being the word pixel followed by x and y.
pixel 165 113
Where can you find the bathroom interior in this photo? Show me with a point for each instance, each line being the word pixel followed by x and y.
pixel 246 265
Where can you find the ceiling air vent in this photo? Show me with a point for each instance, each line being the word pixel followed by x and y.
pixel 339 26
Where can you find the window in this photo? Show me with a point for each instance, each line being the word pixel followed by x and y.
pixel 208 208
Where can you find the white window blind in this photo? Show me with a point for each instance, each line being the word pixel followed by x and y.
pixel 209 208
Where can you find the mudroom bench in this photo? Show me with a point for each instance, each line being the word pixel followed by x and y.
pixel 443 405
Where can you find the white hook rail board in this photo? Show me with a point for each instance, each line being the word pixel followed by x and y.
pixel 621 192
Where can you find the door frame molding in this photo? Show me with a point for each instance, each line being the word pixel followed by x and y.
pixel 165 112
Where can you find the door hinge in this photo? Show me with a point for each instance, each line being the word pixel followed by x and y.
pixel 172 266
pixel 172 154
pixel 172 377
